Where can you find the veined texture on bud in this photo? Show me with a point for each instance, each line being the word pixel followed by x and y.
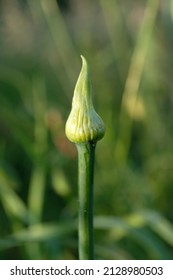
pixel 84 124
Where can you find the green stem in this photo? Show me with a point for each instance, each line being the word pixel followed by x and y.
pixel 86 152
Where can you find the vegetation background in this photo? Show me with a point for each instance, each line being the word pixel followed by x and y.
pixel 129 46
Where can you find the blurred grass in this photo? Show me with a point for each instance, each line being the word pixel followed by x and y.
pixel 128 45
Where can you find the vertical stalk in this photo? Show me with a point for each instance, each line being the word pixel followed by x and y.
pixel 133 80
pixel 84 127
pixel 86 153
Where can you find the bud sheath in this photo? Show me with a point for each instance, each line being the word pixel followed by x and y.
pixel 84 124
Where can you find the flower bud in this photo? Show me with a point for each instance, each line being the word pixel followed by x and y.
pixel 84 124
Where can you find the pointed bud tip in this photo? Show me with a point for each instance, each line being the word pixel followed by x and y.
pixel 83 59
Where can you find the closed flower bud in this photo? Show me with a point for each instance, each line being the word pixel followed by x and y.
pixel 84 124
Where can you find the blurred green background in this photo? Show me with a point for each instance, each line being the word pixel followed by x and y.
pixel 129 46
